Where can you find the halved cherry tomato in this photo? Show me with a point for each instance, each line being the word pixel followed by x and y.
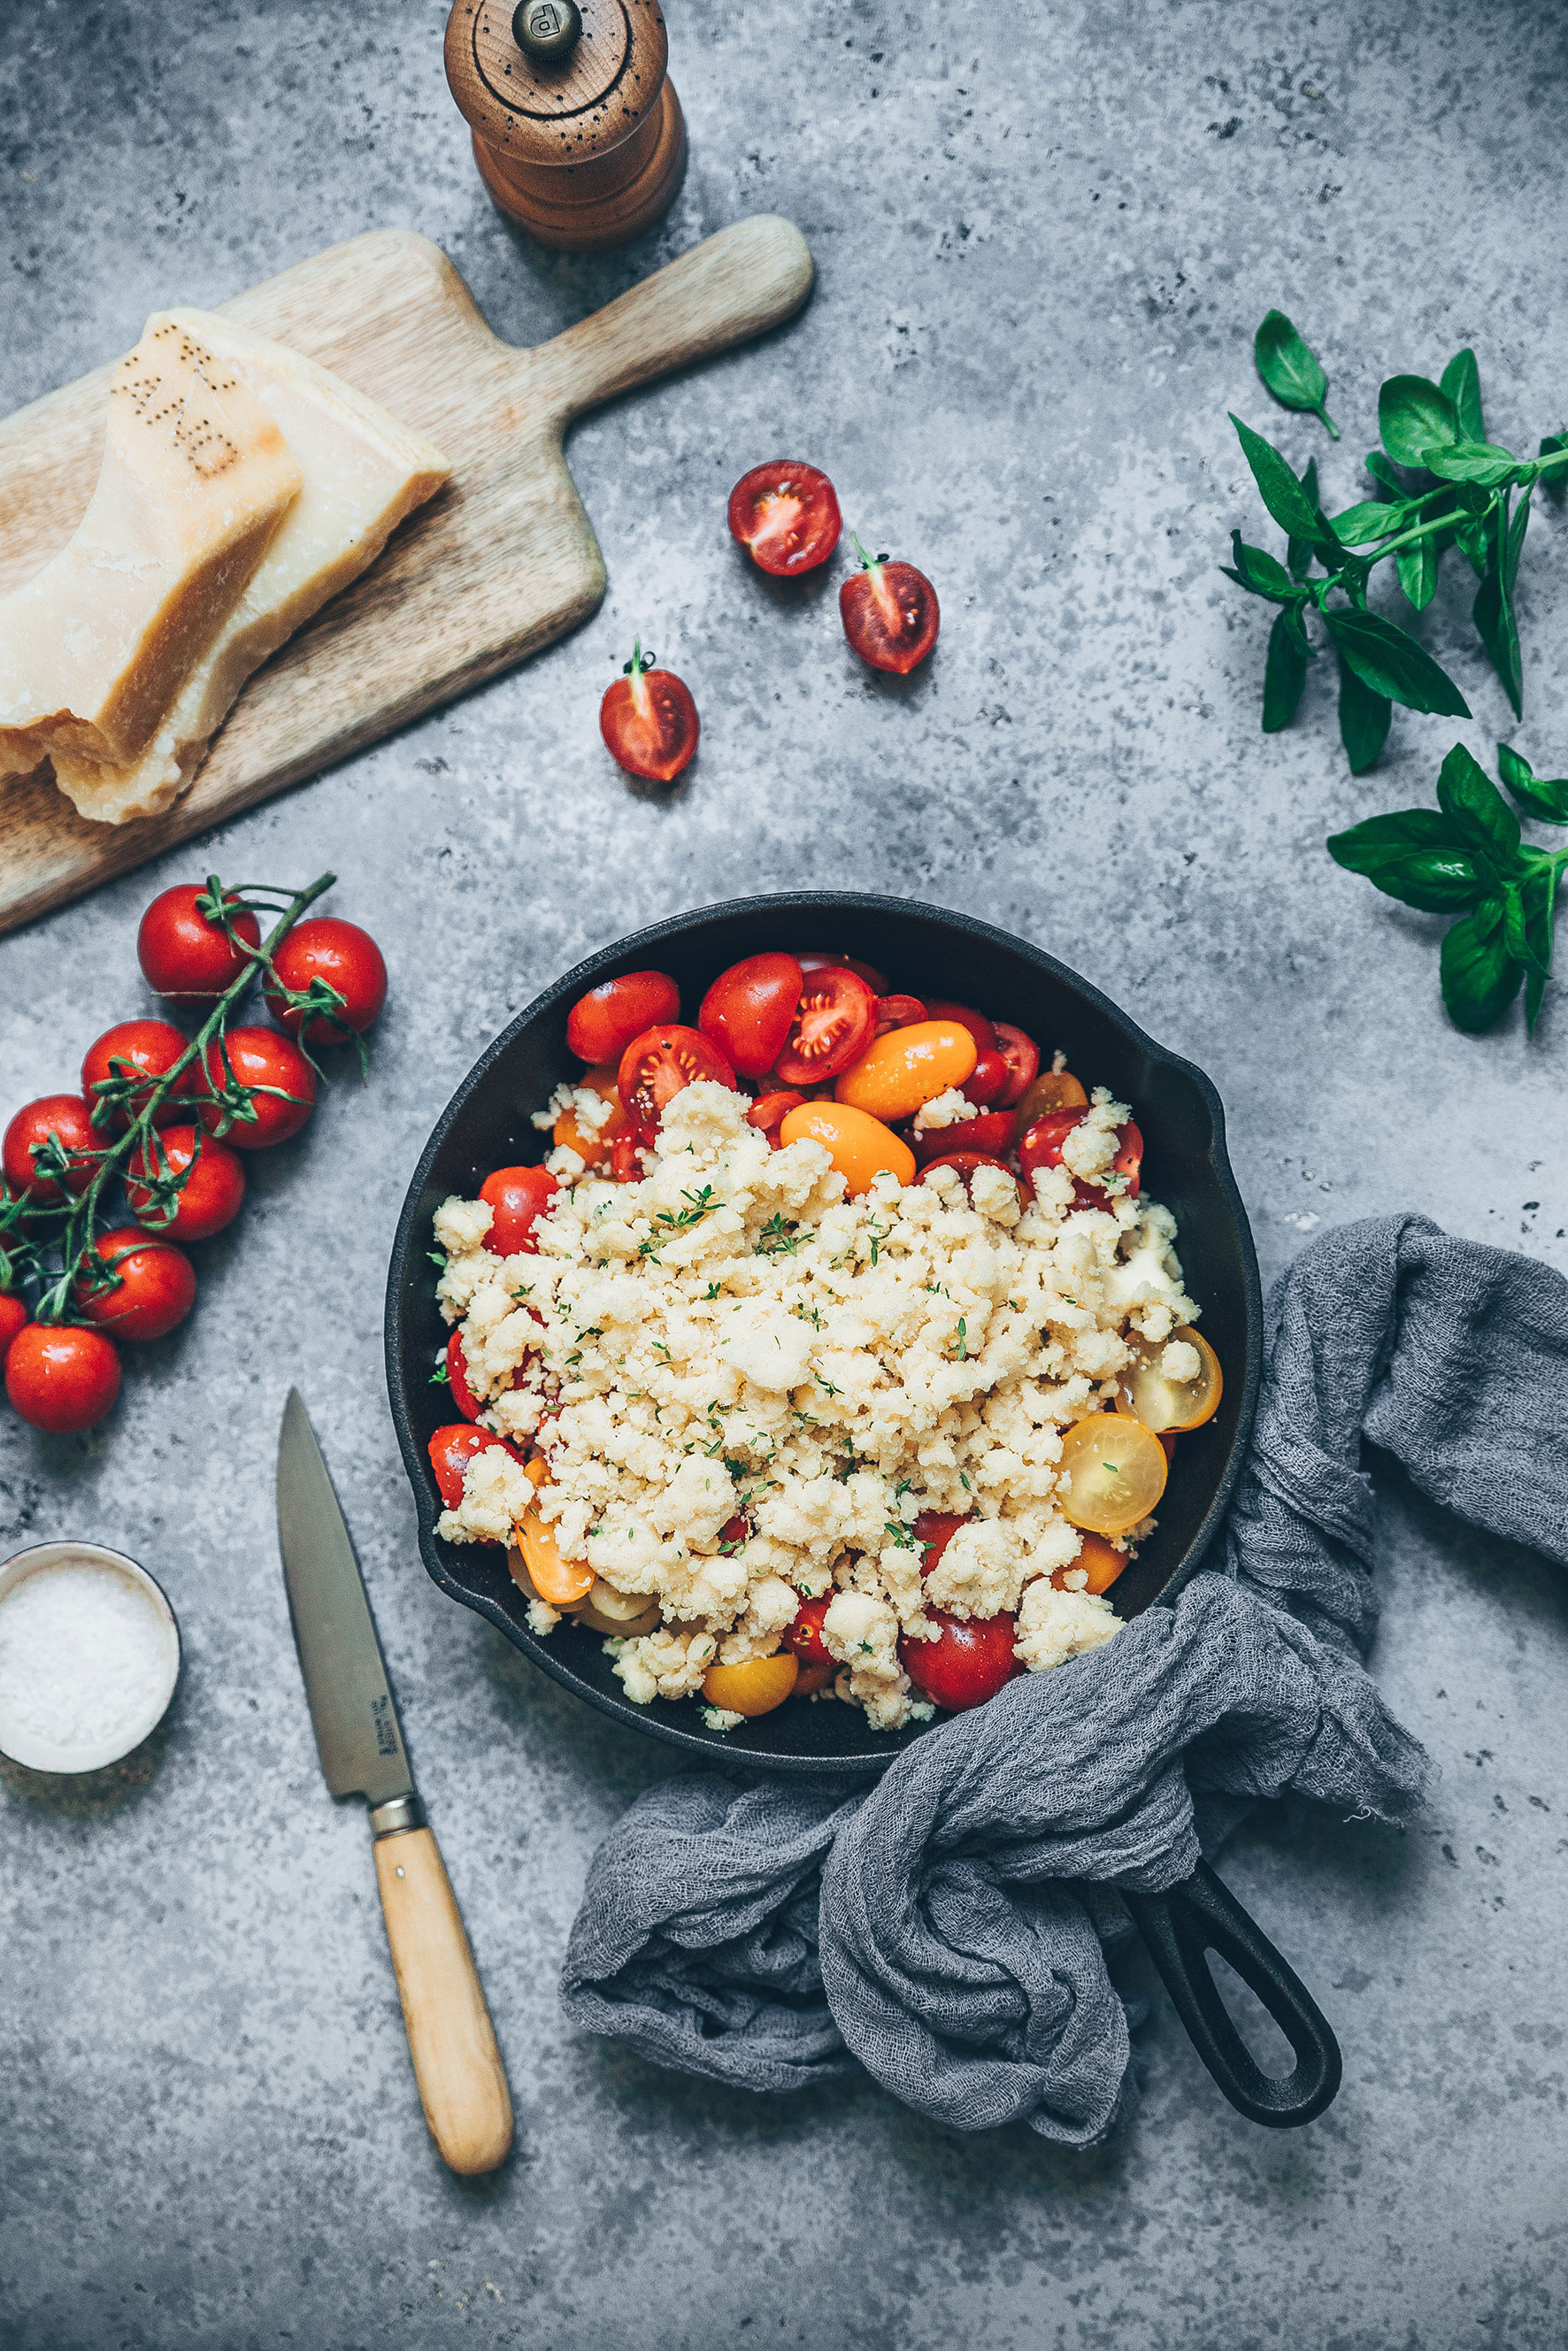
pixel 812 1678
pixel 859 1145
pixel 344 958
pixel 207 1200
pixel 144 1049
pixel 815 960
pixel 805 1634
pixel 69 1118
pixel 462 1396
pixel 601 1024
pixel 648 720
pixel 451 1450
pixel 934 1530
pixel 593 1145
pixel 994 1132
pixel 13 1317
pixel 155 1286
pixel 518 1197
pixel 979 1026
pixel 1041 1147
pixel 969 1661
pixel 833 1024
pixel 890 613
pixel 786 515
pixel 908 1067
pixel 987 1080
pixel 1167 1407
pixel 1022 1057
pixel 898 1012
pixel 768 1112
pixel 749 1010
pixel 559 1582
pixel 965 1162
pixel 658 1064
pixel 1116 1472
pixel 754 1687
pixel 284 1080
pixel 1053 1089
pixel 60 1377
pixel 186 958
pixel 626 1159
pixel 1100 1561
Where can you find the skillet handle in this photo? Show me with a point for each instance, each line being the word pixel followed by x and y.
pixel 1201 1914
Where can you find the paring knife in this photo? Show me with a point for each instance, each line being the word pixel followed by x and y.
pixel 456 2064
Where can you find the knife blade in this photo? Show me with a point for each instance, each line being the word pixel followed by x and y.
pixel 456 2063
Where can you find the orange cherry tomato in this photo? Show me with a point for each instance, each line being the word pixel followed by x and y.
pixel 907 1068
pixel 601 1024
pixel 785 515
pixel 1053 1089
pixel 755 1687
pixel 518 1197
pixel 890 613
pixel 658 1064
pixel 648 720
pixel 1170 1407
pixel 559 1580
pixel 1101 1562
pixel 1117 1473
pixel 595 1146
pixel 859 1145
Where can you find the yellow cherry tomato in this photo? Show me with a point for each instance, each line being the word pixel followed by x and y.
pixel 909 1067
pixel 1101 1562
pixel 1053 1089
pixel 624 1614
pixel 1117 1473
pixel 559 1580
pixel 1171 1406
pixel 859 1145
pixel 594 1146
pixel 757 1687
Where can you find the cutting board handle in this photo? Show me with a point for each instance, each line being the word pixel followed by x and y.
pixel 750 277
pixel 456 2064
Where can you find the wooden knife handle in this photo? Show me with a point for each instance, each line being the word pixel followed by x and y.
pixel 462 2081
pixel 750 277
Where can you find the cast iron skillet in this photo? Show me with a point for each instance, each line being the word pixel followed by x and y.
pixel 931 954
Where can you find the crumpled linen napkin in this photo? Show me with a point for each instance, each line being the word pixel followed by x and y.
pixel 952 1929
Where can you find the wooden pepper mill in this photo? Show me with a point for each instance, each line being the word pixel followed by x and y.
pixel 578 132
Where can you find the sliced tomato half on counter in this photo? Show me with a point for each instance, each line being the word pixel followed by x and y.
pixel 656 1065
pixel 749 1010
pixel 890 613
pixel 834 1022
pixel 648 720
pixel 969 1661
pixel 518 1197
pixel 785 515
pixel 601 1024
pixel 451 1450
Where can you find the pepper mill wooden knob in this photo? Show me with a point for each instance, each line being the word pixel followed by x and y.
pixel 578 132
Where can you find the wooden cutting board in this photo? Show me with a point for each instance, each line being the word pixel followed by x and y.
pixel 502 561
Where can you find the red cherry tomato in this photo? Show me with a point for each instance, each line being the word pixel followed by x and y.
pixel 1041 1147
pixel 987 1082
pixel 261 1058
pixel 208 1199
pixel 898 1012
pixel 769 1113
pixel 656 1067
pixel 815 960
pixel 347 959
pixel 748 1011
pixel 155 1286
pixel 805 1634
pixel 1022 1057
pixel 69 1118
pixel 61 1378
pixel 890 613
pixel 986 1137
pixel 462 1396
pixel 969 1661
pixel 934 1530
pixel 451 1450
pixel 835 1022
pixel 626 1159
pixel 188 959
pixel 518 1197
pixel 979 1026
pixel 786 516
pixel 648 720
pixel 13 1317
pixel 601 1024
pixel 144 1048
pixel 965 1162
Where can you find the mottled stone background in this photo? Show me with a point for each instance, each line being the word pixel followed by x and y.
pixel 1043 238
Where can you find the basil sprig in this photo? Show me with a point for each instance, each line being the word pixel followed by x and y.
pixel 1466 857
pixel 1438 483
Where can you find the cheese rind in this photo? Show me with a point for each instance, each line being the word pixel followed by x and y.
pixel 196 477
pixel 364 472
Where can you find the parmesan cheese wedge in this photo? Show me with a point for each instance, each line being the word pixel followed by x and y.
pixel 364 472
pixel 196 477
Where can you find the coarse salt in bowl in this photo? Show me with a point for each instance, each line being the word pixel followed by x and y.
pixel 90 1655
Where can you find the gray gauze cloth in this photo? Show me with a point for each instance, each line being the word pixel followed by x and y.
pixel 949 1930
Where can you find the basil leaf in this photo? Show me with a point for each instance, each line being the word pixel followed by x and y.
pixel 1417 570
pixel 1481 462
pixel 1554 484
pixel 1462 385
pixel 1475 808
pixel 1372 518
pixel 1299 553
pixel 1543 797
pixel 1261 573
pixel 1293 373
pixel 1414 418
pixel 1493 613
pixel 1513 544
pixel 1363 719
pixel 1473 537
pixel 1287 501
pixel 1392 663
pixel 1481 978
pixel 1284 675
pixel 1540 909
pixel 1378 466
pixel 1519 933
pixel 1414 857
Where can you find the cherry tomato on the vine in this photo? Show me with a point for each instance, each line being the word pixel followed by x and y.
pixel 518 1197
pixel 208 1199
pixel 60 1377
pixel 805 1634
pixel 155 1286
pixel 601 1024
pixel 656 1065
pixel 13 1317
pixel 185 956
pixel 146 1050
pixel 890 613
pixel 769 1113
pixel 1021 1055
pixel 969 1661
pixel 749 1010
pixel 451 1450
pixel 833 1024
pixel 648 720
pixel 66 1116
pixel 347 959
pixel 786 515
pixel 262 1059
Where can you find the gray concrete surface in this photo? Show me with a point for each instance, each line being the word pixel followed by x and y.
pixel 1044 238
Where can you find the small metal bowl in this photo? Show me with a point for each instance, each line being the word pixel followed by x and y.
pixel 487 1124
pixel 40 1754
